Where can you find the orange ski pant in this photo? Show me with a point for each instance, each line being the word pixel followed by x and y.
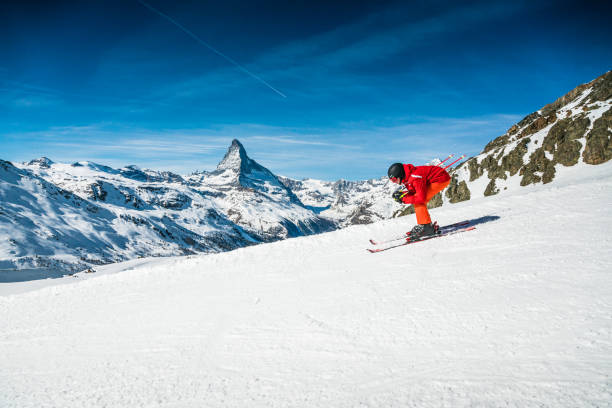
pixel 422 215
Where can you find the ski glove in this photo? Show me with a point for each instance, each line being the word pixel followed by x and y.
pixel 397 196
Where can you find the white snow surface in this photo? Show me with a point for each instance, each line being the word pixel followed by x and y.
pixel 516 313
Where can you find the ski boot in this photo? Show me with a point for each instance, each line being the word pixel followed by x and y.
pixel 421 231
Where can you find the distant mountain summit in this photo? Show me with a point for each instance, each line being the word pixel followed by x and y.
pixel 41 162
pixel 237 169
pixel 237 160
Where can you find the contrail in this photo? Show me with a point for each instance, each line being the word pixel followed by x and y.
pixel 210 47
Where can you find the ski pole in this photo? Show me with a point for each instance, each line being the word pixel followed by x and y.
pixel 451 155
pixel 454 162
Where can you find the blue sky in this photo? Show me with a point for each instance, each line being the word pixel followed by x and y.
pixel 315 89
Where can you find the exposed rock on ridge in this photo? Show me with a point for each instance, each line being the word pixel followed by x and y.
pixel 576 127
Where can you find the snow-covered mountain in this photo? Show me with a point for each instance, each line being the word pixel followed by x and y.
pixel 66 217
pixel 254 198
pixel 347 202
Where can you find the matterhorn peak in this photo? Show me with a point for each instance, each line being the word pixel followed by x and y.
pixel 237 168
pixel 236 158
pixel 237 165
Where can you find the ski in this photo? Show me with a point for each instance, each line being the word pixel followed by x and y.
pixel 407 234
pixel 408 241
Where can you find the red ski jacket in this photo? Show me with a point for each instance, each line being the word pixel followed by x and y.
pixel 418 179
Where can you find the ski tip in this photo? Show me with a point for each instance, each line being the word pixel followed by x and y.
pixel 373 251
pixel 373 242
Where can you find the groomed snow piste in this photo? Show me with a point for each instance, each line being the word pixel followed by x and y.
pixel 515 313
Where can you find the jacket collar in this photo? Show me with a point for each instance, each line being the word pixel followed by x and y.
pixel 408 170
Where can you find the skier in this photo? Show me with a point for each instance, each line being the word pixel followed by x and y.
pixel 422 183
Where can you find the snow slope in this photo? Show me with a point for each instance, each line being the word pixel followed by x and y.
pixel 516 313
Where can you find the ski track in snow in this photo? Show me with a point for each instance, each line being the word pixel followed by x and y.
pixel 516 313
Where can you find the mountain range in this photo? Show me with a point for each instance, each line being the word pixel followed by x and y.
pixel 61 218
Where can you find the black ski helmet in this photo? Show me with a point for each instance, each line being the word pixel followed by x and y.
pixel 396 170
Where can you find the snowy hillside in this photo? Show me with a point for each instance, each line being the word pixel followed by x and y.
pixel 514 313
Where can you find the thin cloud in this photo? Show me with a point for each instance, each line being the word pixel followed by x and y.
pixel 285 150
pixel 293 141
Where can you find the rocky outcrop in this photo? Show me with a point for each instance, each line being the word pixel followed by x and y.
pixel 491 189
pixel 598 147
pixel 538 169
pixel 457 191
pixel 562 139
